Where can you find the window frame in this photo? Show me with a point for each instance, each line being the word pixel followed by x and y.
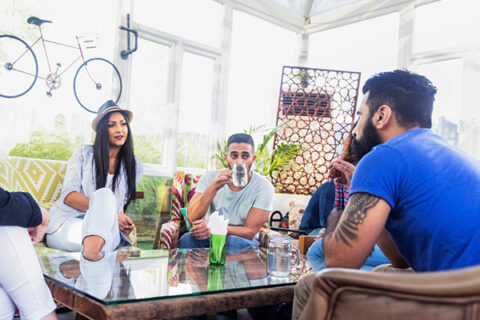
pixel 178 46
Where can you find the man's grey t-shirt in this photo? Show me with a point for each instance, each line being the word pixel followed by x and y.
pixel 235 205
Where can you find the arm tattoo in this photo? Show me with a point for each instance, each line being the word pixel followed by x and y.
pixel 356 213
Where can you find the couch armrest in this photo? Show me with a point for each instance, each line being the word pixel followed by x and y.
pixel 347 294
pixel 169 235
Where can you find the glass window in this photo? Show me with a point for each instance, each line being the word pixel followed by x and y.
pixel 256 65
pixel 195 111
pixel 295 6
pixel 447 76
pixel 198 20
pixel 447 23
pixel 369 47
pixel 320 6
pixel 148 100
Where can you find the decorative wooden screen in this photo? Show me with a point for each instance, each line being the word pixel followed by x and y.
pixel 316 109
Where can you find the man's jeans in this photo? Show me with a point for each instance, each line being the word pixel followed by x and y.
pixel 234 243
pixel 317 260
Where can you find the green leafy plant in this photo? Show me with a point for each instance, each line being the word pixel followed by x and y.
pixel 268 162
pixel 220 155
pixel 45 144
pixel 53 144
pixel 146 147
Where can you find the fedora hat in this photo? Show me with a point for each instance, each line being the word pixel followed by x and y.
pixel 105 109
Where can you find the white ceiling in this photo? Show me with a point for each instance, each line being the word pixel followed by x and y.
pixel 308 16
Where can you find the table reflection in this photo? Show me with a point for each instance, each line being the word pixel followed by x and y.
pixel 128 275
pixel 241 269
pixel 104 278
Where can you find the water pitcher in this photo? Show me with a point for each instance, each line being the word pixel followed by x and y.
pixel 280 256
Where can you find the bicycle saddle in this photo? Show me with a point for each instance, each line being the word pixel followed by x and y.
pixel 37 21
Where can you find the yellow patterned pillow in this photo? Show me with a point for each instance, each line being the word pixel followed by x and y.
pixel 41 178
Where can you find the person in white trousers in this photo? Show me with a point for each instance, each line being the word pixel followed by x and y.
pixel 21 279
pixel 99 183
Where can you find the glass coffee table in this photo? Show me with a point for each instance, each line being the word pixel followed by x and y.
pixel 164 284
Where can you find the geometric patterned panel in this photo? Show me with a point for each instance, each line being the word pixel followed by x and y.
pixel 316 109
pixel 41 178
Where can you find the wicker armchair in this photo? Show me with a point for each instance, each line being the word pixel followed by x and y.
pixel 183 189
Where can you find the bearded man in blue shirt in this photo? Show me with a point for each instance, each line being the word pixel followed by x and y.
pixel 412 193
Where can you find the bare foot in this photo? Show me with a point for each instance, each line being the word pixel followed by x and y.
pixel 92 247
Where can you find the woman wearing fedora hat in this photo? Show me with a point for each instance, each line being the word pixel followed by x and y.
pixel 99 183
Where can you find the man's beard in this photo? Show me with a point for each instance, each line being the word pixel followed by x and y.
pixel 370 139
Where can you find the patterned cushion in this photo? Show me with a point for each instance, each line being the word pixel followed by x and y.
pixel 5 173
pixel 183 189
pixel 177 196
pixel 41 178
pixel 191 182
pixel 295 215
pixel 170 231
pixel 183 184
pixel 169 235
pixel 189 187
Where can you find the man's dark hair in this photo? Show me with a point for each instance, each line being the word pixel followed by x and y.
pixel 409 95
pixel 241 138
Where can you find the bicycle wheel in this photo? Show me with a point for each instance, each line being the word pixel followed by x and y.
pixel 96 81
pixel 18 67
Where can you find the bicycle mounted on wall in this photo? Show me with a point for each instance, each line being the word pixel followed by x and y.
pixel 96 80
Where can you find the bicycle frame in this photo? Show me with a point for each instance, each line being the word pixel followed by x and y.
pixel 44 41
pixel 95 80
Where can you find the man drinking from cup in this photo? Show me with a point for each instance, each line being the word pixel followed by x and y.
pixel 242 196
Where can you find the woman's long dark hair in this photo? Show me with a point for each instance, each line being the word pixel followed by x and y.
pixel 126 156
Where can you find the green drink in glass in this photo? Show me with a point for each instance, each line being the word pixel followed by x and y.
pixel 217 248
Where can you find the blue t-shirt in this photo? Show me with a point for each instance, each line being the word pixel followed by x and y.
pixel 434 191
